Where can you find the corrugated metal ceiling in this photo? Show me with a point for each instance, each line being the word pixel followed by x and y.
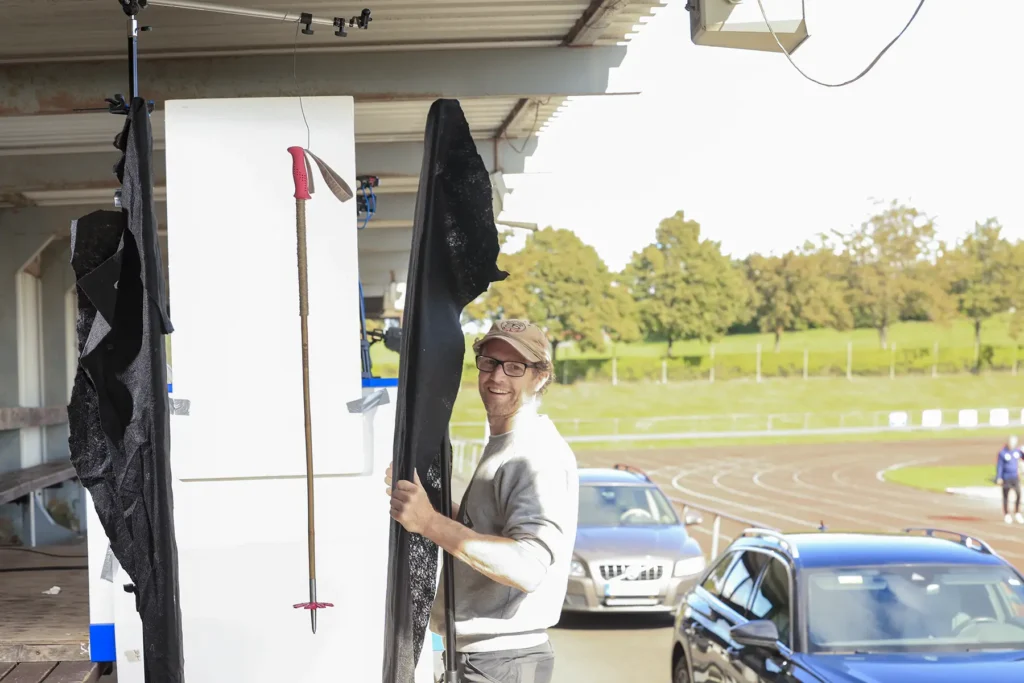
pixel 395 121
pixel 84 29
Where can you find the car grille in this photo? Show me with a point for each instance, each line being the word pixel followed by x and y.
pixel 611 571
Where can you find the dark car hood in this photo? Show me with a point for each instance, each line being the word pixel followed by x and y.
pixel 625 541
pixel 937 667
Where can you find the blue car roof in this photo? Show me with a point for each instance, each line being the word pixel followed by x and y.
pixel 834 550
pixel 608 475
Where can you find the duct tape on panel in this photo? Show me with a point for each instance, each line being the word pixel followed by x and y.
pixel 180 406
pixel 369 402
pixel 109 566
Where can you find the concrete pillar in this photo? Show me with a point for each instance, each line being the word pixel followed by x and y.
pixel 58 280
pixel 17 250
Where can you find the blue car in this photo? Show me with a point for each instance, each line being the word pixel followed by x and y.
pixel 923 605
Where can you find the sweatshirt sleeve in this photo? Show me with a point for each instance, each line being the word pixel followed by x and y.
pixel 534 504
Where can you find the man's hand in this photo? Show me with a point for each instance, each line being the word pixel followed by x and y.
pixel 410 505
pixel 387 481
pixel 999 482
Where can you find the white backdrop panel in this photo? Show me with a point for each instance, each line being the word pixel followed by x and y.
pixel 234 304
pixel 243 565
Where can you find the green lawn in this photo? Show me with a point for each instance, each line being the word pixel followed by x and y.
pixel 908 335
pixel 645 400
pixel 942 478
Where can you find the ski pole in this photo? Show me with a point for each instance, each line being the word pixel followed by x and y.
pixel 301 177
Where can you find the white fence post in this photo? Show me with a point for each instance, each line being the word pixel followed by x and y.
pixel 664 371
pixel 615 371
pixel 849 360
pixel 716 528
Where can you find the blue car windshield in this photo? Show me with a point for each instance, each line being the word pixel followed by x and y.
pixel 614 505
pixel 924 608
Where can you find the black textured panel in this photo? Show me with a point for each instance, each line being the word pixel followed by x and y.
pixel 453 260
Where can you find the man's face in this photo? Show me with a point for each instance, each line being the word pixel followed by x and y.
pixel 503 395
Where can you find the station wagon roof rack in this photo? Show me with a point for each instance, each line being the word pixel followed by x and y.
pixel 762 532
pixel 963 539
pixel 630 468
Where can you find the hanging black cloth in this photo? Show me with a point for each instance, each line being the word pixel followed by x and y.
pixel 452 261
pixel 119 410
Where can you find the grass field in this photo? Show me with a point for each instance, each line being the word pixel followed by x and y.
pixel 957 334
pixel 641 400
pixel 942 478
pixel 725 406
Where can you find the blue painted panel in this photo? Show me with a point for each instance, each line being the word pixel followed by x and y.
pixel 378 382
pixel 101 643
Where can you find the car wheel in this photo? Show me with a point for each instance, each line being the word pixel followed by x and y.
pixel 680 674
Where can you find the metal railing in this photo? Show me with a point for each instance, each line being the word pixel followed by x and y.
pixel 716 523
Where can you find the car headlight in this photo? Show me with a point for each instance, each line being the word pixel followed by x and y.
pixel 577 570
pixel 689 566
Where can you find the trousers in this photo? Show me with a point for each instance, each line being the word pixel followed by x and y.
pixel 528 665
pixel 1011 485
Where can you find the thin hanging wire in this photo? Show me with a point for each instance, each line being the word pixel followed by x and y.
pixel 295 81
pixel 858 76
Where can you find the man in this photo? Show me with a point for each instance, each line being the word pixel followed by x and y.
pixel 1008 476
pixel 513 534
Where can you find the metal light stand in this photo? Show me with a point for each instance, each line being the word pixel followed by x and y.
pixel 448 575
pixel 119 105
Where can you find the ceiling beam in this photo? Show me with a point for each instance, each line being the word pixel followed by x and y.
pixel 594 22
pixel 24 179
pixel 62 88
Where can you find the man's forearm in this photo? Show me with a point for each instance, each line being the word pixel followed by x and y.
pixel 500 559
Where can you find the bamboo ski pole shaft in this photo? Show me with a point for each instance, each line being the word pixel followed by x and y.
pixel 301 179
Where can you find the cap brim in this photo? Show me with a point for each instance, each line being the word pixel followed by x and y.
pixel 524 350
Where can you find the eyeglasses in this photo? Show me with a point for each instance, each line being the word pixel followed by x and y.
pixel 512 368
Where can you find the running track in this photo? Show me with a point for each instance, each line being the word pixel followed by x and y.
pixel 797 487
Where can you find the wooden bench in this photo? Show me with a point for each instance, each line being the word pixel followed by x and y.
pixel 50 672
pixel 25 486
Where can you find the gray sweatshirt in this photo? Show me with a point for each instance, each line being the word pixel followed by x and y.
pixel 526 487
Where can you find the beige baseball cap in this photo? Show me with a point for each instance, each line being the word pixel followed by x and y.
pixel 525 337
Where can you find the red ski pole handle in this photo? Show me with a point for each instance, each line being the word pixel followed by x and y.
pixel 299 172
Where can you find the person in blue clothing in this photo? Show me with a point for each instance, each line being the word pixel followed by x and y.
pixel 1008 476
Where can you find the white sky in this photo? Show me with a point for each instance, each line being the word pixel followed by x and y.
pixel 765 159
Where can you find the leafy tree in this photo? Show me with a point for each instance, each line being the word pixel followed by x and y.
pixel 563 285
pixel 685 288
pixel 983 274
pixel 891 260
pixel 797 291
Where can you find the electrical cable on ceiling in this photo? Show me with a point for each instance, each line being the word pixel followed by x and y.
pixel 858 76
pixel 533 129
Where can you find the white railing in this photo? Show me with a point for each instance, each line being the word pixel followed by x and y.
pixel 682 427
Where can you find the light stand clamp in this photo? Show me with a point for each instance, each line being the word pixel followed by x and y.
pixel 118 104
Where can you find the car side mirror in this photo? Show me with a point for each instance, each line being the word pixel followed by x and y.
pixel 692 519
pixel 759 634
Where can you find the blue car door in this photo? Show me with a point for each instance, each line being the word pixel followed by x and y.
pixel 716 608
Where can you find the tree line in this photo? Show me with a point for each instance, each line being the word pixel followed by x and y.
pixel 682 287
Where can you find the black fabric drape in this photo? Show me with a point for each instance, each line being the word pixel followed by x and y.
pixel 453 260
pixel 119 410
